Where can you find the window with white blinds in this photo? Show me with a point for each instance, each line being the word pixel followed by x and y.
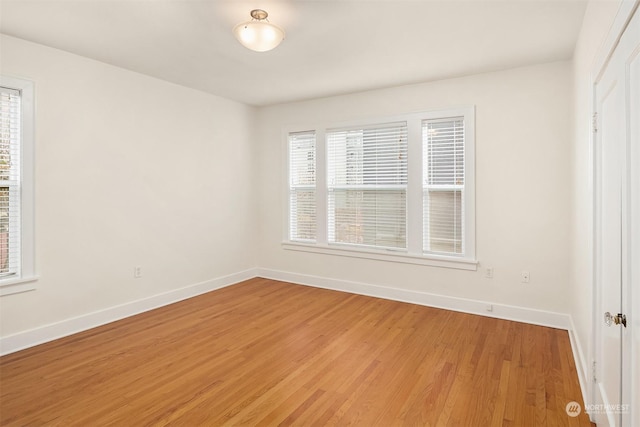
pixel 443 185
pixel 10 123
pixel 302 186
pixel 367 186
pixel 399 189
pixel 16 185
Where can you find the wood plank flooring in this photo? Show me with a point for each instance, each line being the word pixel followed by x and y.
pixel 271 353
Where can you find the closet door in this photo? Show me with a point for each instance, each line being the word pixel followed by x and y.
pixel 617 221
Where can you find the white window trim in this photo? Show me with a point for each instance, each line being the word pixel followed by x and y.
pixel 384 255
pixel 27 277
pixel 414 253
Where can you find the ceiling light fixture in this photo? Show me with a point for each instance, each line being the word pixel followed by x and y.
pixel 259 34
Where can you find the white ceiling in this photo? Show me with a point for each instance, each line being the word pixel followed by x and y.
pixel 332 46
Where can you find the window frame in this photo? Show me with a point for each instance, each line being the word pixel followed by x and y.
pixel 414 253
pixel 26 277
pixel 468 215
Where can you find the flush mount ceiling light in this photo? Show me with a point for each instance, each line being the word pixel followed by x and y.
pixel 259 34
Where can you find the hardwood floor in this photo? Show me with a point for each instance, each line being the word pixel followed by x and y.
pixel 267 353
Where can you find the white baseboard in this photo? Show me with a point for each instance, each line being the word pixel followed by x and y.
pixel 584 373
pixel 500 311
pixel 30 338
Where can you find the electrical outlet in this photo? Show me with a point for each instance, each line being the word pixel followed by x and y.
pixel 137 272
pixel 489 307
pixel 488 273
pixel 525 277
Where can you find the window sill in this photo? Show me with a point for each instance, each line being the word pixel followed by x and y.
pixel 389 256
pixel 16 286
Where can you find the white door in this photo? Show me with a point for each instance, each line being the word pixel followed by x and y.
pixel 609 145
pixel 616 275
pixel 631 297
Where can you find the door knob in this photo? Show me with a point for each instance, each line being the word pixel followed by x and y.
pixel 618 319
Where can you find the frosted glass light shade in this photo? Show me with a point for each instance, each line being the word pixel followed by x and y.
pixel 258 35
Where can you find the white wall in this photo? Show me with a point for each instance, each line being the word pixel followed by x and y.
pixel 523 185
pixel 130 170
pixel 125 159
pixel 597 20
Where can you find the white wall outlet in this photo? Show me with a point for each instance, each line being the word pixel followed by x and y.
pixel 489 307
pixel 488 273
pixel 137 272
pixel 525 277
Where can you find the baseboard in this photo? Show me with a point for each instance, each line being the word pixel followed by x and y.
pixel 30 338
pixel 581 363
pixel 500 311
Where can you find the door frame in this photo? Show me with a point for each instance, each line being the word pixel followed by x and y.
pixel 625 13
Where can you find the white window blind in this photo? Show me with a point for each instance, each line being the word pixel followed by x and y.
pixel 367 186
pixel 443 185
pixel 302 186
pixel 10 144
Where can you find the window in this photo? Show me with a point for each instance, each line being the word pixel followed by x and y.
pixel 395 189
pixel 16 185
pixel 367 170
pixel 443 185
pixel 302 186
